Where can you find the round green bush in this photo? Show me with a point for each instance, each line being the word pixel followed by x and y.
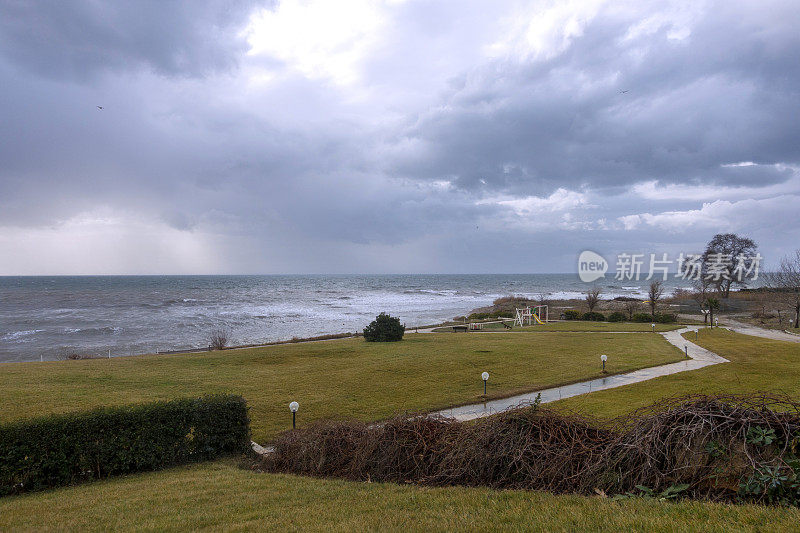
pixel 666 318
pixel 572 314
pixel 594 316
pixel 384 328
pixel 617 316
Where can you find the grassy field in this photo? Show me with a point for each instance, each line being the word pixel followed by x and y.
pixel 373 381
pixel 220 496
pixel 756 364
pixel 576 326
pixel 348 377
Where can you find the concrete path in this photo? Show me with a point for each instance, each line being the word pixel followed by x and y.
pixel 698 358
pixel 748 329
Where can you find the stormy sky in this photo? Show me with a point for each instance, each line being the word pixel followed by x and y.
pixel 392 136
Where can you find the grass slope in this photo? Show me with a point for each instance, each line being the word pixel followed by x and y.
pixel 756 364
pixel 574 325
pixel 219 496
pixel 347 377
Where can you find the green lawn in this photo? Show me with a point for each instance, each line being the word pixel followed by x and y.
pixel 756 364
pixel 576 325
pixel 219 496
pixel 348 377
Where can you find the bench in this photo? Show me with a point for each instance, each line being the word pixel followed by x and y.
pixel 456 329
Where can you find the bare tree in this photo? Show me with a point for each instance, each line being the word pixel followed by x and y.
pixel 631 306
pixel 219 338
pixel 722 257
pixel 592 297
pixel 785 281
pixel 654 294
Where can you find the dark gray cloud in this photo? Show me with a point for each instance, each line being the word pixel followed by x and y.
pixel 454 143
pixel 79 39
pixel 722 94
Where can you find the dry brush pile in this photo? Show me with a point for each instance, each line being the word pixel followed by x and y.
pixel 734 448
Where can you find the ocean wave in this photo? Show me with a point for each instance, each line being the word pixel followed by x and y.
pixel 14 335
pixel 102 330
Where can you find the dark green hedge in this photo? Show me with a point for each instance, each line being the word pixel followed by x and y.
pixel 494 314
pixel 659 318
pixel 617 316
pixel 593 316
pixel 59 450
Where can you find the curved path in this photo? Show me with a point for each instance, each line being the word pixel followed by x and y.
pixel 699 357
pixel 748 329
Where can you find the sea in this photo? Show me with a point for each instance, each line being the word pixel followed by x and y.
pixel 47 318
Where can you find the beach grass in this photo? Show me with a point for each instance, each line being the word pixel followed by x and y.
pixel 756 364
pixel 339 378
pixel 219 496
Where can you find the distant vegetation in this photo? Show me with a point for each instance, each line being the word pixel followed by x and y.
pixel 618 316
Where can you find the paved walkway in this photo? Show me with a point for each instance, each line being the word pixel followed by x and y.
pixel 698 358
pixel 748 329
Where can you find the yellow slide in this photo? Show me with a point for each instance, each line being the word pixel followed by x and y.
pixel 536 317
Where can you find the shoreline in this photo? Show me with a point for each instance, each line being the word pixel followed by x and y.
pixel 608 302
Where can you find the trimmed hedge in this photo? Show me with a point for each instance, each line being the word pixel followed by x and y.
pixel 666 318
pixel 572 314
pixel 495 314
pixel 642 317
pixel 594 316
pixel 659 318
pixel 617 316
pixel 57 450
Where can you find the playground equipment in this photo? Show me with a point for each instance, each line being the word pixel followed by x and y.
pixel 529 314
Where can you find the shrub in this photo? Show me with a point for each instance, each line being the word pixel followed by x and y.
pixel 384 328
pixel 64 449
pixel 594 316
pixel 617 316
pixel 666 318
pixel 572 314
pixel 219 337
pixel 503 314
pixel 479 316
pixel 730 448
pixel 642 317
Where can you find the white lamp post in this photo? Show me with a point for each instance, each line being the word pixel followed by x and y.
pixel 485 378
pixel 654 327
pixel 293 407
pixel 604 358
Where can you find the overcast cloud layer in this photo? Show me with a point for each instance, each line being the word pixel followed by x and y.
pixel 395 136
